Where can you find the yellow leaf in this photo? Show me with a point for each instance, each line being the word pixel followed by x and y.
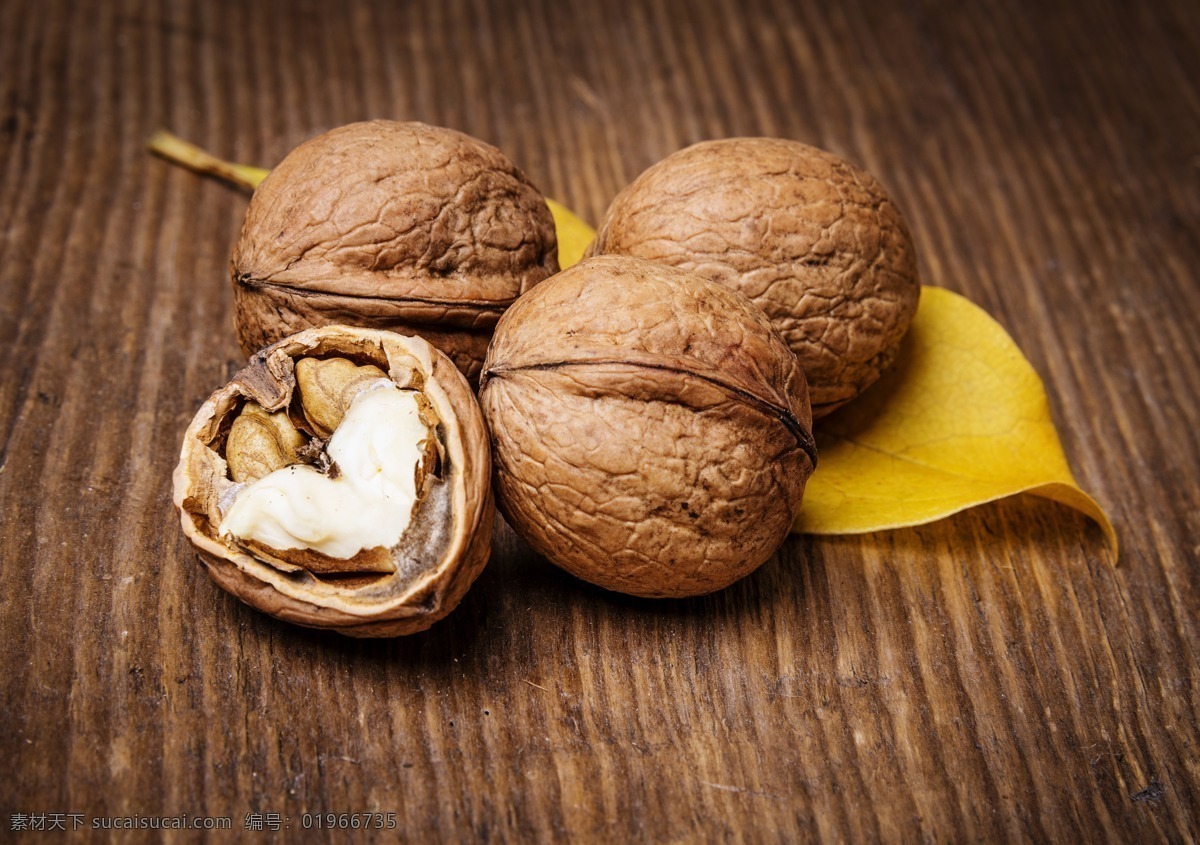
pixel 961 419
pixel 573 234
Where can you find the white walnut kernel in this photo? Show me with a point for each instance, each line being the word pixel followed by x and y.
pixel 364 502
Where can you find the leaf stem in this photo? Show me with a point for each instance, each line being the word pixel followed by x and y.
pixel 178 151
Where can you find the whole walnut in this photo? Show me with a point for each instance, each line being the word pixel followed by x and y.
pixel 811 239
pixel 400 226
pixel 341 480
pixel 651 433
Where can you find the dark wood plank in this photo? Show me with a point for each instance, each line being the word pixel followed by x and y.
pixel 997 675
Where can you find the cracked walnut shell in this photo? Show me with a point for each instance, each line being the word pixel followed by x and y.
pixel 811 239
pixel 651 433
pixel 421 482
pixel 407 227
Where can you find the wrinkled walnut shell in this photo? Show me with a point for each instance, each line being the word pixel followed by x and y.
pixel 401 226
pixel 650 432
pixel 447 542
pixel 812 240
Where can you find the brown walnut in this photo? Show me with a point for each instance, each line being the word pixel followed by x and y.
pixel 811 239
pixel 259 423
pixel 400 226
pixel 651 433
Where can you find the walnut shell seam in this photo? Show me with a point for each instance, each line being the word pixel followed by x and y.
pixel 804 438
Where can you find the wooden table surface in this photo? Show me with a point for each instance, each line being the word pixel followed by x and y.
pixel 994 676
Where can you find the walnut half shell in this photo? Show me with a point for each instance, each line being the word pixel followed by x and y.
pixel 400 589
pixel 407 227
pixel 651 433
pixel 813 240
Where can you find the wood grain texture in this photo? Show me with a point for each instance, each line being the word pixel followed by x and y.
pixel 995 676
